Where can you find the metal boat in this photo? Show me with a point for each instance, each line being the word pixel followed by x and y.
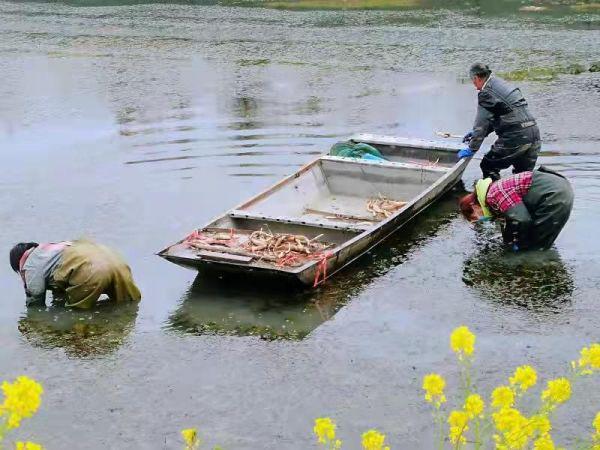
pixel 326 201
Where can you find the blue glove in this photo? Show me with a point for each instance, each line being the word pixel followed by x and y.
pixel 515 247
pixel 468 137
pixel 465 153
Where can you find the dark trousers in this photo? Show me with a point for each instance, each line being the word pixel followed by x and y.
pixel 521 158
pixel 553 208
pixel 549 203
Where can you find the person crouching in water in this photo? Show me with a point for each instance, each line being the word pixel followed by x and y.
pixel 534 206
pixel 77 273
pixel 502 109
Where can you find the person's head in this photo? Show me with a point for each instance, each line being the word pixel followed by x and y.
pixel 17 252
pixel 479 73
pixel 470 208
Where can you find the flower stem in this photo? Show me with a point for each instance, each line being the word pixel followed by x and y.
pixel 477 435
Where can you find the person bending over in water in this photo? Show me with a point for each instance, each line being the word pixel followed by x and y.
pixel 534 206
pixel 77 273
pixel 503 109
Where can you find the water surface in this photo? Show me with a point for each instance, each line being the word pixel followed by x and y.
pixel 134 124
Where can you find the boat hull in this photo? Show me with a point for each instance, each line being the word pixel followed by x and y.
pixel 351 240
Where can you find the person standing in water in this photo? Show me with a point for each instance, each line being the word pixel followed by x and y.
pixel 77 273
pixel 502 109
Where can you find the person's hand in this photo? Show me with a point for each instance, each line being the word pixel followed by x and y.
pixel 465 153
pixel 468 137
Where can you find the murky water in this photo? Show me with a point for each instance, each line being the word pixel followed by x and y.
pixel 134 124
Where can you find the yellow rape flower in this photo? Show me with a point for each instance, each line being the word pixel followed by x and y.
pixel 507 419
pixel 22 400
pixel 373 440
pixel 433 385
pixel 557 391
pixel 524 377
pixel 515 428
pixel 540 424
pixel 190 436
pixel 473 406
pixel 590 358
pixel 596 423
pixel 28 446
pixel 503 397
pixel 324 429
pixel 544 442
pixel 462 342
pixel 458 421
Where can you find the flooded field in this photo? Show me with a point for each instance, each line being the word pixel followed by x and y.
pixel 134 124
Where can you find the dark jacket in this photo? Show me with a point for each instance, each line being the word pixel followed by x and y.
pixel 503 109
pixel 537 221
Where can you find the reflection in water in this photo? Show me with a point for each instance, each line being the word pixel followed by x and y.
pixel 242 306
pixel 535 280
pixel 234 306
pixel 247 109
pixel 95 332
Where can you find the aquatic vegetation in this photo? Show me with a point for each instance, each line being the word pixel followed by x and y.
pixel 586 6
pixel 335 4
pixel 546 73
pixel 253 62
pixel 22 399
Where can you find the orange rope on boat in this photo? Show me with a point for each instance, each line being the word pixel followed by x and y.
pixel 192 236
pixel 322 268
pixel 288 260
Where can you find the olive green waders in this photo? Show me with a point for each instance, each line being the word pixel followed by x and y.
pixel 87 270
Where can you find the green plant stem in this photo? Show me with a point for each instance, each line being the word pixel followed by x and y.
pixel 465 377
pixel 3 430
pixel 469 384
pixel 478 440
pixel 485 428
pixel 440 421
pixel 457 446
